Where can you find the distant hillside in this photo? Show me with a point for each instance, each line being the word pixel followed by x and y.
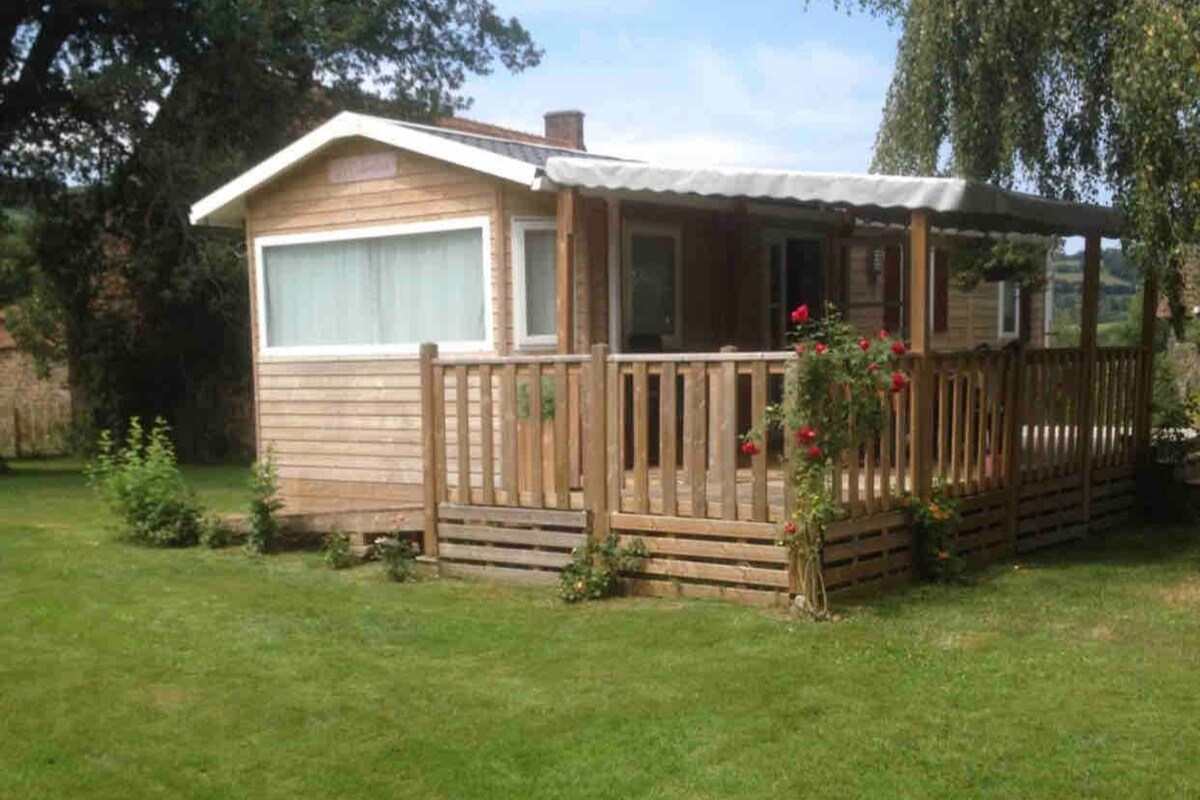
pixel 1118 286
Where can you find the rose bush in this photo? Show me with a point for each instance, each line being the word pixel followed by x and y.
pixel 835 398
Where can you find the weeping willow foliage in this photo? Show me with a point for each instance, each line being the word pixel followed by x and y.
pixel 1078 99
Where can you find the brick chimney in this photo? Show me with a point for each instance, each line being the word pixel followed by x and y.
pixel 565 127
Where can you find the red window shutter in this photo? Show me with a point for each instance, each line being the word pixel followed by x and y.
pixel 941 291
pixel 892 290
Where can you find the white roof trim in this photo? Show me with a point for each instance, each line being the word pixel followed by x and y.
pixel 960 203
pixel 226 206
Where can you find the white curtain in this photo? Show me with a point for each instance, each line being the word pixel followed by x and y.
pixel 390 290
pixel 539 282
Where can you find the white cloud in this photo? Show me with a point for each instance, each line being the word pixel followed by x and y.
pixel 812 106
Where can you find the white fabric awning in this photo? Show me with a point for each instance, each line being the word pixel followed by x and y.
pixel 952 202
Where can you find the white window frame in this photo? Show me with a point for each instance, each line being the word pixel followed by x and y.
pixel 1016 331
pixel 675 232
pixel 483 224
pixel 518 227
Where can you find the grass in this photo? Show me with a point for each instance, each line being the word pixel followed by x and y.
pixel 129 672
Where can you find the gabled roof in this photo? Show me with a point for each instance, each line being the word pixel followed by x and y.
pixel 510 160
pixel 955 204
pixel 529 152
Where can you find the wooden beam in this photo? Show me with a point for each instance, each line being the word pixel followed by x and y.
pixel 1088 314
pixel 595 468
pixel 564 272
pixel 430 413
pixel 921 410
pixel 616 305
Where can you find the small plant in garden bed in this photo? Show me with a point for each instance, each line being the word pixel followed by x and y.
pixel 214 533
pixel 262 526
pixel 932 522
pixel 595 569
pixel 141 483
pixel 398 556
pixel 338 553
pixel 836 392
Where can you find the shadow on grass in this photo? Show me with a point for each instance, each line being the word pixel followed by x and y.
pixel 1140 543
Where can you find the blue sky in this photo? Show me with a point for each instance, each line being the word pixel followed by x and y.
pixel 773 84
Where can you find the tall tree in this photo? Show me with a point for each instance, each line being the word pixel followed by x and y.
pixel 1075 98
pixel 115 115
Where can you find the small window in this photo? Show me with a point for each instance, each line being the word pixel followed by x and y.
pixel 1010 315
pixel 534 242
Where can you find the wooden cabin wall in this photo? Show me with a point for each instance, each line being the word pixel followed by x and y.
pixel 347 430
pixel 710 282
pixel 972 317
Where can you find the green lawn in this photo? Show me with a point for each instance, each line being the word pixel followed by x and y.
pixel 132 673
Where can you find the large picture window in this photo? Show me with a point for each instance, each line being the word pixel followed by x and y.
pixel 534 242
pixel 376 290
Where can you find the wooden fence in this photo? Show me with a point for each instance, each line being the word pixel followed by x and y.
pixel 648 446
pixel 35 427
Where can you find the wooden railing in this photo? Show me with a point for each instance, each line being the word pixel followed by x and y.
pixel 508 431
pixel 1118 395
pixel 658 434
pixel 973 394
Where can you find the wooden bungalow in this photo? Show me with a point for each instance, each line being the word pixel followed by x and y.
pixel 515 345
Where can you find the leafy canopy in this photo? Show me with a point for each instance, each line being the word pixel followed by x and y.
pixel 1074 98
pixel 115 115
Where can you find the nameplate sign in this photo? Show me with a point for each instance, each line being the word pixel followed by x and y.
pixel 369 167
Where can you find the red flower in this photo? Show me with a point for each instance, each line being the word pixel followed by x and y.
pixel 814 453
pixel 801 348
pixel 789 527
pixel 872 367
pixel 806 435
pixel 750 447
pixel 820 348
pixel 899 382
pixel 864 344
pixel 898 348
pixel 883 335
pixel 800 314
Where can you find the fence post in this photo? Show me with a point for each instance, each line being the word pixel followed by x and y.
pixel 726 428
pixel 921 409
pixel 430 413
pixel 1089 309
pixel 595 445
pixel 17 431
pixel 1013 444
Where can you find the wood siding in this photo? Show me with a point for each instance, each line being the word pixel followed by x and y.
pixel 348 430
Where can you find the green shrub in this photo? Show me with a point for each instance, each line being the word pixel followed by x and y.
pixel 398 556
pixel 338 554
pixel 262 526
pixel 214 533
pixel 595 569
pixel 933 522
pixel 525 398
pixel 142 485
